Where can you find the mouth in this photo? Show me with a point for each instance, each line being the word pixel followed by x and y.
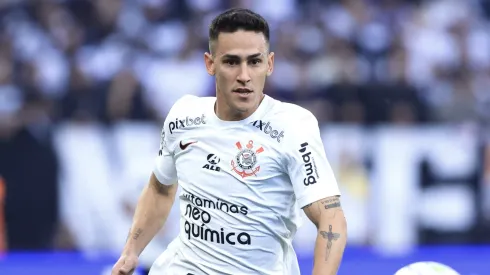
pixel 243 91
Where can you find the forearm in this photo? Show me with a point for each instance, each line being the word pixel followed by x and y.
pixel 151 213
pixel 329 219
pixel 330 244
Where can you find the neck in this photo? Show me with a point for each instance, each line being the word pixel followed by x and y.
pixel 225 112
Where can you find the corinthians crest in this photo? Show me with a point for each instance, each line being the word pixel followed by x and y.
pixel 244 162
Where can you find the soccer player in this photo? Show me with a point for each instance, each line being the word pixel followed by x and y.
pixel 246 164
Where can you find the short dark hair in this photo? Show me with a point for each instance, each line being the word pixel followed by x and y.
pixel 237 19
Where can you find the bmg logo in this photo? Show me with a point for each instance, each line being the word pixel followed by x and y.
pixel 182 123
pixel 309 165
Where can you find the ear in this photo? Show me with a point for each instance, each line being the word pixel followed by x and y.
pixel 210 66
pixel 270 63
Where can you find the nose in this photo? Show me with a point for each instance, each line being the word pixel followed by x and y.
pixel 244 75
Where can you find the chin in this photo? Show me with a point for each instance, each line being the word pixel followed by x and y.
pixel 245 105
pixel 243 108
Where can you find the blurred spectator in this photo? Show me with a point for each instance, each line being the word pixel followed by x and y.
pixel 126 100
pixel 412 46
pixel 29 166
pixel 84 99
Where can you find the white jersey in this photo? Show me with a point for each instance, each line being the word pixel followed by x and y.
pixel 243 186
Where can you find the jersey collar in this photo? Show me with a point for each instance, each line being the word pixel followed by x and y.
pixel 261 110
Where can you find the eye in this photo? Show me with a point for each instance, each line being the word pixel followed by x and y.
pixel 256 61
pixel 231 62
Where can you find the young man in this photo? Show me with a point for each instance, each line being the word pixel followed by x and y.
pixel 246 164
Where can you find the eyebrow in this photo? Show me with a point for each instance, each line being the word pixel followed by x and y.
pixel 233 56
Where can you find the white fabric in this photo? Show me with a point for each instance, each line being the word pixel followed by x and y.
pixel 243 184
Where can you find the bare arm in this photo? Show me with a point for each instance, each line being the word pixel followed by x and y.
pixel 152 211
pixel 330 221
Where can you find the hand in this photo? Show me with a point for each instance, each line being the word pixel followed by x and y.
pixel 126 265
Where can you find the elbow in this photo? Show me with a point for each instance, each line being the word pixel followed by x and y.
pixel 343 222
pixel 343 227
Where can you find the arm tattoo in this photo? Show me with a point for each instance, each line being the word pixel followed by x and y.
pixel 137 233
pixel 330 236
pixel 331 203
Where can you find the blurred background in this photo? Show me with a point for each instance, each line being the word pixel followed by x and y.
pixel 401 89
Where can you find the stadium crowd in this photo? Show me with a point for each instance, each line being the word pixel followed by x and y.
pixel 348 61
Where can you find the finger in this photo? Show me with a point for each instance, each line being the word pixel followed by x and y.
pixel 115 270
pixel 126 272
pixel 127 269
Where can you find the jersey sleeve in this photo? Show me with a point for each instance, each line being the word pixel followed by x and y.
pixel 307 165
pixel 164 169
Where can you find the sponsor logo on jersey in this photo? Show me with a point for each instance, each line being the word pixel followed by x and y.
pixel 217 204
pixel 184 146
pixel 267 129
pixel 213 161
pixel 187 122
pixel 198 219
pixel 309 165
pixel 244 162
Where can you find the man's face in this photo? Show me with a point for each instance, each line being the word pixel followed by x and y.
pixel 241 63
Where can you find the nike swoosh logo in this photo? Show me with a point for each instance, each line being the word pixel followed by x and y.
pixel 183 146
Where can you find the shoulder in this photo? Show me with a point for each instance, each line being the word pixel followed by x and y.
pixel 295 114
pixel 188 112
pixel 189 104
pixel 293 119
pixel 297 126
